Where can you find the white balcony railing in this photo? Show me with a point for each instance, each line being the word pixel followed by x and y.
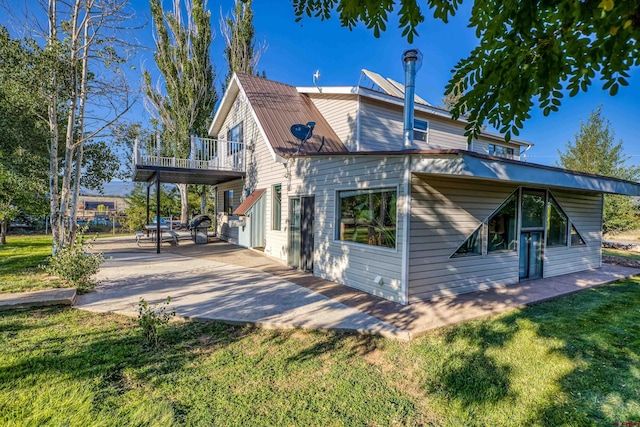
pixel 206 153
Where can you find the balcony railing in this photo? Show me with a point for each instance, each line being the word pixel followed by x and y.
pixel 206 153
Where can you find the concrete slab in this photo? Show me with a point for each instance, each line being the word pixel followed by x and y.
pixel 62 296
pixel 205 289
pixel 401 321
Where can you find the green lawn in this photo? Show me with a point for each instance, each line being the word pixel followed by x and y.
pixel 622 254
pixel 20 259
pixel 574 361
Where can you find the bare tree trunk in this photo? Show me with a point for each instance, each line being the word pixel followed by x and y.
pixel 71 128
pixel 3 232
pixel 184 203
pixel 53 129
pixel 80 150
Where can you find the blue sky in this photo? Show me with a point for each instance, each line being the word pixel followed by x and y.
pixel 297 49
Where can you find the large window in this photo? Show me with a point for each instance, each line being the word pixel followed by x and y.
pixel 228 202
pixel 368 217
pixel 533 204
pixel 557 224
pixel 502 227
pixel 276 208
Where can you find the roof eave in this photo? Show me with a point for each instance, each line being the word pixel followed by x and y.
pixel 469 165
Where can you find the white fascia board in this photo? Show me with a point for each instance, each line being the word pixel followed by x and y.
pixel 368 93
pixel 328 90
pixel 474 167
pixel 225 106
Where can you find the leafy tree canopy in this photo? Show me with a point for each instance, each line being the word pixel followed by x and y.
pixel 595 151
pixel 528 53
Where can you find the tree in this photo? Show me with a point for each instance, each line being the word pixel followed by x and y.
pixel 182 56
pixel 77 69
pixel 594 151
pixel 23 155
pixel 240 51
pixel 528 52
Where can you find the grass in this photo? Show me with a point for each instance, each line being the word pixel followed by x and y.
pixel 20 261
pixel 574 361
pixel 622 254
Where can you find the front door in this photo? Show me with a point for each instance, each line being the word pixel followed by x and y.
pixel 530 255
pixel 301 218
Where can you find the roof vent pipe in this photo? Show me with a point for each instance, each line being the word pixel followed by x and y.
pixel 412 60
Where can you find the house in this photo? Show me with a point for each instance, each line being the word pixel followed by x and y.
pixel 405 214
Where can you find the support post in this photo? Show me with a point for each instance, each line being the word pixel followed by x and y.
pixel 148 196
pixel 158 235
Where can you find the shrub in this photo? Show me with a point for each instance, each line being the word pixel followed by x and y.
pixel 151 318
pixel 74 265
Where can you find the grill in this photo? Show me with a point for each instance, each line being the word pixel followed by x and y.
pixel 200 221
pixel 198 226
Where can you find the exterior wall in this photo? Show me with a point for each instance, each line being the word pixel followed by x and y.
pixel 444 212
pixel 341 112
pixel 585 212
pixel 382 127
pixel 352 264
pixel 222 219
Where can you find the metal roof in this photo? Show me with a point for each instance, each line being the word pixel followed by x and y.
pixel 390 87
pixel 277 107
pixel 249 201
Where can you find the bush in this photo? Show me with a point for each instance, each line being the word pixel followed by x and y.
pixel 74 265
pixel 151 318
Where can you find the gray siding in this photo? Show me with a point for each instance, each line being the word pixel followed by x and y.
pixel 341 112
pixel 585 211
pixel 352 264
pixel 222 219
pixel 381 128
pixel 444 212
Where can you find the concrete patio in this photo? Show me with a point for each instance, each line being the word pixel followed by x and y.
pixel 220 281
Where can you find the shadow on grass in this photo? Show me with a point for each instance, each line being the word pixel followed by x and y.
pixel 61 344
pixel 571 361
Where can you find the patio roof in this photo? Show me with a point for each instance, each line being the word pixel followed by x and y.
pixel 469 165
pixel 146 173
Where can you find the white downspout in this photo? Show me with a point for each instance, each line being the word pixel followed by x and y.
pixel 406 188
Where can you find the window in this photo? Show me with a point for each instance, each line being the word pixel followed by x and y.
pixel 235 137
pixel 576 238
pixel 276 209
pixel 228 201
pixel 533 204
pixel 500 151
pixel 368 217
pixel 557 224
pixel 471 246
pixel 420 128
pixel 502 227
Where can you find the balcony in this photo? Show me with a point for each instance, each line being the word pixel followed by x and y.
pixel 211 161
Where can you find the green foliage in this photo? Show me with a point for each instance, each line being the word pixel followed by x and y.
pixel 23 133
pixel 594 151
pixel 239 40
pixel 72 264
pixel 528 52
pixel 182 56
pixel 151 318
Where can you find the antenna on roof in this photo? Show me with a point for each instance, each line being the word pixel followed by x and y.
pixel 303 133
pixel 316 77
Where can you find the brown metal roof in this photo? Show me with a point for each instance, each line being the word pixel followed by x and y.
pixel 249 201
pixel 279 106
